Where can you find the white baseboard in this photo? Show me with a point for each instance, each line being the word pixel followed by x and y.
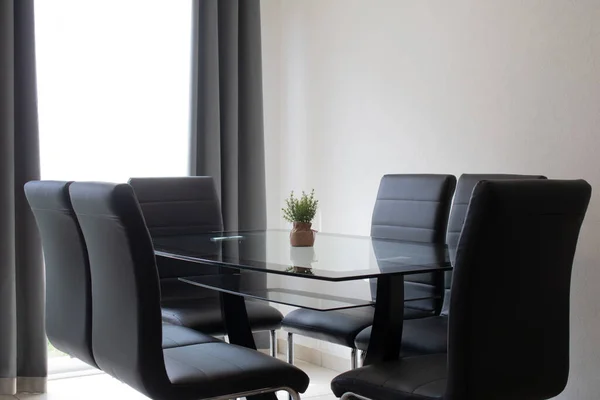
pixel 315 356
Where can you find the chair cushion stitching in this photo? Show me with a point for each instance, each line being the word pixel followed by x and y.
pixel 174 316
pixel 176 226
pixel 411 200
pixel 186 364
pixel 404 226
pixel 65 211
pixel 226 361
pixel 177 343
pixel 142 202
pixel 427 383
pixel 461 203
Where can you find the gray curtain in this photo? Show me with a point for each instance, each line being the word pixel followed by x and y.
pixel 23 366
pixel 227 138
pixel 227 111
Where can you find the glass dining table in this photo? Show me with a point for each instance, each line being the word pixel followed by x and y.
pixel 338 272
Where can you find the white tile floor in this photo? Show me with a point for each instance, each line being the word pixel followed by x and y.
pixel 103 387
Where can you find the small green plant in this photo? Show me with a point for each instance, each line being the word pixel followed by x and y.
pixel 301 209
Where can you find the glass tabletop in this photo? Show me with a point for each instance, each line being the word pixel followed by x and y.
pixel 290 293
pixel 334 257
pixel 232 283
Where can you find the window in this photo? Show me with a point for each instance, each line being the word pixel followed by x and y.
pixel 113 94
pixel 113 88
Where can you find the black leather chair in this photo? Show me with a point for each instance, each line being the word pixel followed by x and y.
pixel 509 304
pixel 68 285
pixel 184 206
pixel 126 318
pixel 408 207
pixel 430 335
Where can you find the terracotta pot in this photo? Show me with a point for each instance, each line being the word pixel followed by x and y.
pixel 301 235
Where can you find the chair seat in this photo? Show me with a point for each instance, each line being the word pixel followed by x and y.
pixel 338 326
pixel 419 336
pixel 411 378
pixel 214 369
pixel 205 315
pixel 176 336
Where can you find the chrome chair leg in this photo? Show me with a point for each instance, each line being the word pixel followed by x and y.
pixel 350 395
pixel 361 358
pixel 353 359
pixel 293 395
pixel 290 348
pixel 273 343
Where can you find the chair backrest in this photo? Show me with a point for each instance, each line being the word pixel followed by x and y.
pixel 414 208
pixel 509 309
pixel 126 322
pixel 68 284
pixel 458 212
pixel 464 188
pixel 179 206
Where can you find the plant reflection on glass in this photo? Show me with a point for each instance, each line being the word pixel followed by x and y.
pixel 300 270
pixel 302 256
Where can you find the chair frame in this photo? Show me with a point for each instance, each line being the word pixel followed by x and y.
pixel 292 393
pixel 349 395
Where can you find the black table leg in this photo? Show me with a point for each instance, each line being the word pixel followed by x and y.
pixel 237 325
pixel 386 334
pixel 235 316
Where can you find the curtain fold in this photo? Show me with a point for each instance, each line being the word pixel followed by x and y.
pixel 23 364
pixel 227 138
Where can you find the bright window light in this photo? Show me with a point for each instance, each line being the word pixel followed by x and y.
pixel 113 88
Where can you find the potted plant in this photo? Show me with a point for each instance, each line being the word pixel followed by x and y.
pixel 300 212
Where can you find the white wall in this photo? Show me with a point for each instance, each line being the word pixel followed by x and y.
pixel 368 87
